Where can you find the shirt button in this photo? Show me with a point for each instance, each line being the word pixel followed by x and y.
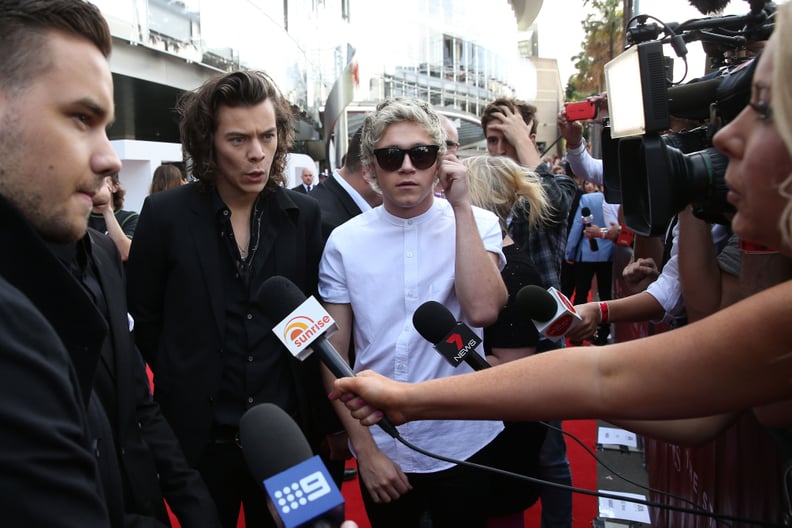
pixel 249 316
pixel 250 399
pixel 226 212
pixel 250 359
pixel 409 254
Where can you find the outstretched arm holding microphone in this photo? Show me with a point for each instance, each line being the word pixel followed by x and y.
pixel 714 365
pixel 631 380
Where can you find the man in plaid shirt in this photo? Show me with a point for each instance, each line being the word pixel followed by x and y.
pixel 510 128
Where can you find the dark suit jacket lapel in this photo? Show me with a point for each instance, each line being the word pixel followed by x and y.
pixel 278 230
pixel 345 200
pixel 118 356
pixel 203 229
pixel 36 272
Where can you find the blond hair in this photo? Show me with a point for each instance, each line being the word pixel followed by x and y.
pixel 500 185
pixel 392 111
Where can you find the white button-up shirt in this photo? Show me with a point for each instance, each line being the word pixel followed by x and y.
pixel 386 267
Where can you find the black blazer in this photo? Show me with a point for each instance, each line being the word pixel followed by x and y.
pixel 49 334
pixel 176 297
pixel 150 456
pixel 336 204
pixel 300 189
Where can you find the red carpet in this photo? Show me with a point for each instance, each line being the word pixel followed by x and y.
pixel 584 475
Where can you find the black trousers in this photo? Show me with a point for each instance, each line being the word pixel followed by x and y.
pixel 452 498
pixel 231 485
pixel 584 273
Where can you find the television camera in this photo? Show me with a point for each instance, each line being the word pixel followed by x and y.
pixel 657 145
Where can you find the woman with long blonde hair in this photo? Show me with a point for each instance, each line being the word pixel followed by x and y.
pixel 500 185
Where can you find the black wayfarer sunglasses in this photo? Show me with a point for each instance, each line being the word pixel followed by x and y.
pixel 421 156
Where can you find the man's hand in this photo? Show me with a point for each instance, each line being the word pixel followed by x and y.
pixel 383 478
pixel 592 231
pixel 453 178
pixel 640 273
pixel 572 131
pixel 514 129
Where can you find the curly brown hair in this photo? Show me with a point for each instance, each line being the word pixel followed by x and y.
pixel 198 121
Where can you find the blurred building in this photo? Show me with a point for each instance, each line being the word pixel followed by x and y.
pixel 333 59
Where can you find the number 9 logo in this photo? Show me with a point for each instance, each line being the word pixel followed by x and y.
pixel 314 485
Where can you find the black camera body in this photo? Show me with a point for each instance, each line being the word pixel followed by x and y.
pixel 655 174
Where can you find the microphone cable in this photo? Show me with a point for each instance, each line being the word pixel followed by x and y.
pixel 616 473
pixel 653 504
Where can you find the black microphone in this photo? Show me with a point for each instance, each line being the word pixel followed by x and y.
pixel 453 339
pixel 297 483
pixel 587 219
pixel 284 297
pixel 551 312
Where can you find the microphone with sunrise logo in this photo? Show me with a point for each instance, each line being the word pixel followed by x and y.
pixel 302 328
pixel 455 341
pixel 587 220
pixel 300 489
pixel 551 312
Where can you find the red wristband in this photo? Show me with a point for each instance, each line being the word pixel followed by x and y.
pixel 603 306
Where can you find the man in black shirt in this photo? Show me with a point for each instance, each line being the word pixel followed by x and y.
pixel 199 255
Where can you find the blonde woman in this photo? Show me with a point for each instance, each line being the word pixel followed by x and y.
pixel 500 185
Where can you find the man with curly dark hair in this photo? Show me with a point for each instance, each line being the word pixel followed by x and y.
pixel 199 255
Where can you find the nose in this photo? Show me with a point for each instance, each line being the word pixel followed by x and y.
pixel 105 161
pixel 727 139
pixel 256 151
pixel 406 165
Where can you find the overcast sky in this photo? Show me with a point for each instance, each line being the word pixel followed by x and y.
pixel 561 34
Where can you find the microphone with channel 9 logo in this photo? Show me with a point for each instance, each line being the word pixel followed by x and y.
pixel 300 489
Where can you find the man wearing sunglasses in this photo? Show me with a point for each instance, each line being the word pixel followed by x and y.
pixel 510 130
pixel 376 270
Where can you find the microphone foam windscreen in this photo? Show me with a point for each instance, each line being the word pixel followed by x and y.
pixel 585 211
pixel 433 321
pixel 278 297
pixel 271 441
pixel 536 302
pixel 707 7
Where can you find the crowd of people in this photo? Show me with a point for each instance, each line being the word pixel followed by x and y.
pixel 92 294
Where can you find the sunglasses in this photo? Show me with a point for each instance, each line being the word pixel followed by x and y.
pixel 421 156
